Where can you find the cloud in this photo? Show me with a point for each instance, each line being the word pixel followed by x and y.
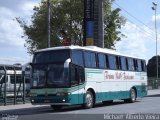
pixel 157 18
pixel 140 41
pixel 11 42
pixel 27 8
pixel 10 31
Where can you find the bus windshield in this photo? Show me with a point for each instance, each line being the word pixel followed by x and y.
pixel 51 56
pixel 48 69
pixel 50 75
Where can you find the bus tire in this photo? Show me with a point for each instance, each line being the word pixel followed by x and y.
pixel 89 100
pixel 56 107
pixel 133 96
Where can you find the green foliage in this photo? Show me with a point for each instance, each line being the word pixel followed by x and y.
pixel 112 25
pixel 68 15
pixel 152 67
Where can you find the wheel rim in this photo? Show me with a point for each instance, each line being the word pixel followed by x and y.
pixel 133 95
pixel 89 100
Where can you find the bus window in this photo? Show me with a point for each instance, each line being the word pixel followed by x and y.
pixel 18 79
pixel 77 57
pixel 130 64
pixel 112 62
pixel 139 66
pixel 143 64
pixel 90 59
pixel 101 61
pixel 107 61
pixel 135 64
pixel 51 56
pixel 74 74
pixel 2 79
pixel 118 63
pixel 123 63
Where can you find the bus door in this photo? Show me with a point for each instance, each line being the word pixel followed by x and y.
pixel 77 82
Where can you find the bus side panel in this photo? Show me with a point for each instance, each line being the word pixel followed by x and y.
pixel 140 83
pixel 112 85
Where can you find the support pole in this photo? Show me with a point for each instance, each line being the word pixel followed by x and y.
pixel 15 86
pixel 24 91
pixel 5 86
pixel 49 27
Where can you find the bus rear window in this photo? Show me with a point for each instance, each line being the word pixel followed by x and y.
pixel 51 56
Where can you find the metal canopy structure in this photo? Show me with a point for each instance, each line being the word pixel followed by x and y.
pixel 12 84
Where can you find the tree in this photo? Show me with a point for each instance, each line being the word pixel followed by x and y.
pixel 67 15
pixel 152 67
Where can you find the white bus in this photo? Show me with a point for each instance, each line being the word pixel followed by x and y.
pixel 70 75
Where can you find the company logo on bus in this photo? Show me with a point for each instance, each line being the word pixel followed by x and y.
pixel 118 76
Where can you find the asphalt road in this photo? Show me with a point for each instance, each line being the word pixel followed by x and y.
pixel 148 105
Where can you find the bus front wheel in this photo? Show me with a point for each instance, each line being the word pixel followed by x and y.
pixel 89 100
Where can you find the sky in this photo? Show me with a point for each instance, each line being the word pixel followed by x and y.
pixel 12 48
pixel 139 29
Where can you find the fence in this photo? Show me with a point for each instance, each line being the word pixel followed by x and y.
pixel 13 85
pixel 153 83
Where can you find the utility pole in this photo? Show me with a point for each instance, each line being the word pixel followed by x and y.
pixel 155 9
pixel 49 21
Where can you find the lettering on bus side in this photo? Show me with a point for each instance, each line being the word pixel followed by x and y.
pixel 118 76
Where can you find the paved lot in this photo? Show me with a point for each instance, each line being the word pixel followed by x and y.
pixel 145 105
pixel 150 104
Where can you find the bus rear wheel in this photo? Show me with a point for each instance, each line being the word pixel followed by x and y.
pixel 56 107
pixel 133 96
pixel 89 100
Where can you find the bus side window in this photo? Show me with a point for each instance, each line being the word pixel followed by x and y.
pixel 107 61
pixel 118 63
pixel 101 61
pixel 135 64
pixel 77 57
pixel 90 59
pixel 81 75
pixel 93 60
pixel 130 64
pixel 112 62
pixel 143 64
pixel 123 63
pixel 77 75
pixel 74 80
pixel 127 65
pixel 139 66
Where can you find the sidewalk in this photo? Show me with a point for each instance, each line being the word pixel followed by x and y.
pixel 19 106
pixel 153 92
pixel 29 105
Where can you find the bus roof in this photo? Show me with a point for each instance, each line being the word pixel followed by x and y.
pixel 90 48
